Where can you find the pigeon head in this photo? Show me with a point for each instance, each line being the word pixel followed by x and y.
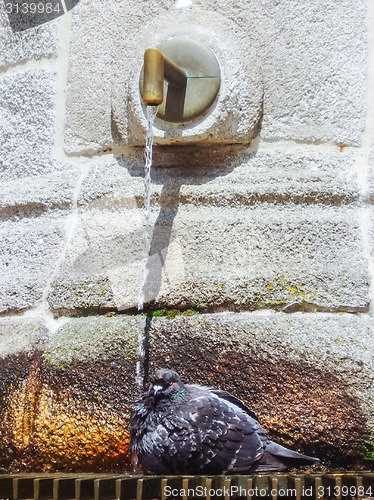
pixel 165 383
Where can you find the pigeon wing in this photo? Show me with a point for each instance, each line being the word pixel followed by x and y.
pixel 252 445
pixel 227 438
pixel 255 438
pixel 232 399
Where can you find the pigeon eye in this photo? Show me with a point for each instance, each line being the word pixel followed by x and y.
pixel 171 383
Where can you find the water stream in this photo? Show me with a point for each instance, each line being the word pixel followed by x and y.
pixel 151 115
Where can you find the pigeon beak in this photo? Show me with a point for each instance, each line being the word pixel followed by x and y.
pixel 156 389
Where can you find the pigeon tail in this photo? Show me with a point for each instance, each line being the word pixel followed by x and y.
pixel 289 457
pixel 277 458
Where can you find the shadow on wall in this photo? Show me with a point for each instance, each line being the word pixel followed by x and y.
pixel 173 167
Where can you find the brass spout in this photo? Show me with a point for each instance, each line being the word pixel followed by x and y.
pixel 157 68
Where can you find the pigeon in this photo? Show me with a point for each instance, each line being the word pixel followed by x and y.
pixel 178 428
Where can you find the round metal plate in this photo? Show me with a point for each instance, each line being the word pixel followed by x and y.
pixel 184 105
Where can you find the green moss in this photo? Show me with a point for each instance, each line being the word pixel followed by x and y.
pixel 164 312
pixel 172 313
pixel 190 312
pixel 369 450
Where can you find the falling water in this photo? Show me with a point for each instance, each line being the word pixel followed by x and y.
pixel 151 115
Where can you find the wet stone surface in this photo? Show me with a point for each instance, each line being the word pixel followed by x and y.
pixel 73 419
pixel 65 407
pixel 303 407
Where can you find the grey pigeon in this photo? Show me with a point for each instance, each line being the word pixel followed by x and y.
pixel 179 428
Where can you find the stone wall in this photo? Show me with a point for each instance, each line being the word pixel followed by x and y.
pixel 262 226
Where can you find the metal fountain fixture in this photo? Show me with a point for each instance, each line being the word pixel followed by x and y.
pixel 182 77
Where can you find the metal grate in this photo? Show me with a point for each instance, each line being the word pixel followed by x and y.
pixel 342 486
